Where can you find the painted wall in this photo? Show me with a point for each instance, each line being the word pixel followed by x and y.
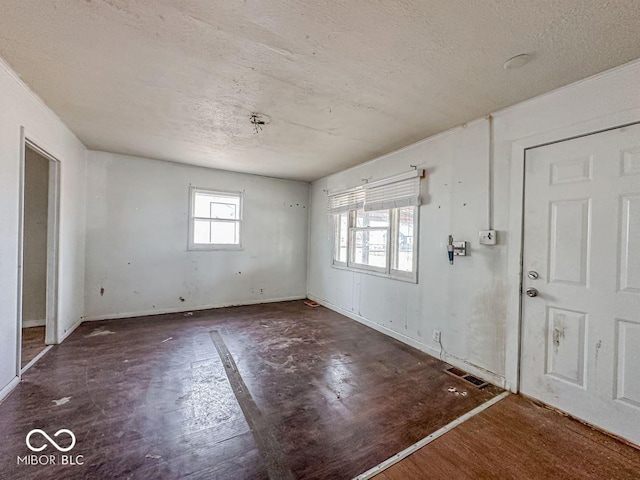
pixel 21 108
pixel 475 302
pixel 137 230
pixel 453 299
pixel 36 196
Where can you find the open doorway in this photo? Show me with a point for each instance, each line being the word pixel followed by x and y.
pixel 39 258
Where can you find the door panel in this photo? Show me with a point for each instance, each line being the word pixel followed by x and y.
pixel 630 258
pixel 628 388
pixel 566 345
pixel 581 332
pixel 569 241
pixel 631 161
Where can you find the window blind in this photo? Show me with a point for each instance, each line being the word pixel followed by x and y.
pixel 403 193
pixel 345 201
pixel 396 192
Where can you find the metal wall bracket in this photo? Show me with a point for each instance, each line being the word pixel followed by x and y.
pixel 460 249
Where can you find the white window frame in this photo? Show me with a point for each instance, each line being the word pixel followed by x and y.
pixel 336 238
pixel 392 246
pixel 214 246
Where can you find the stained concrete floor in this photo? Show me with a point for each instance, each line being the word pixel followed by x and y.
pixel 151 397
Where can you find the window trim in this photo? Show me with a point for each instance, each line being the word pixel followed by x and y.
pixel 191 245
pixel 413 274
pixel 392 246
pixel 335 219
pixel 351 253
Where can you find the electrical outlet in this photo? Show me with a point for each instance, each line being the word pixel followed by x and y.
pixel 436 336
pixel 488 237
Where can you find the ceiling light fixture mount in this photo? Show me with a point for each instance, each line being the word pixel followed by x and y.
pixel 257 121
pixel 518 61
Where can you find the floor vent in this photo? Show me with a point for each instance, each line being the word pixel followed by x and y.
pixel 456 372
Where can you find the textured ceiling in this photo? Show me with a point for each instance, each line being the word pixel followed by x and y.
pixel 340 81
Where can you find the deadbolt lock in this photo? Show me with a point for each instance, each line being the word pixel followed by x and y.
pixel 532 275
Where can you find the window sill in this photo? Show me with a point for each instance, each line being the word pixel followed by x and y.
pixel 413 278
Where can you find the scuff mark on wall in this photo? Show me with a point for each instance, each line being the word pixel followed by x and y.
pixel 487 329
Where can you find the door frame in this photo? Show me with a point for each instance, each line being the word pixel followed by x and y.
pixel 518 149
pixel 53 235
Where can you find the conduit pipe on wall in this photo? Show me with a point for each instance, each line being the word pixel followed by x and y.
pixel 489 171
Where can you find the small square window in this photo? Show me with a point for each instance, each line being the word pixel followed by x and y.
pixel 215 220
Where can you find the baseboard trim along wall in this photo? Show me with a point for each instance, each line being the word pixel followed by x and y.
pixel 490 377
pixel 35 359
pixel 33 323
pixel 159 311
pixel 6 390
pixel 68 332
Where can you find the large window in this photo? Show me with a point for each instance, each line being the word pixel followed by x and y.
pixel 379 241
pixel 375 226
pixel 215 220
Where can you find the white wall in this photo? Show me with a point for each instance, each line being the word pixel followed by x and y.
pixel 452 299
pixel 21 108
pixel 475 302
pixel 137 228
pixel 36 213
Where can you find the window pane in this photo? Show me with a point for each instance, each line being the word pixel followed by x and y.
pixel 201 205
pixel 225 233
pixel 210 232
pixel 370 247
pixel 227 210
pixel 378 218
pixel 342 230
pixel 202 231
pixel 211 205
pixel 404 260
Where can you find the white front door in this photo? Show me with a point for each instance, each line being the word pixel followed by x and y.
pixel 581 332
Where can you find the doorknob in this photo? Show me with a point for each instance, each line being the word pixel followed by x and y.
pixel 531 292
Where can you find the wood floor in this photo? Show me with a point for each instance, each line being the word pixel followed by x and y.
pixel 32 343
pixel 518 439
pixel 153 398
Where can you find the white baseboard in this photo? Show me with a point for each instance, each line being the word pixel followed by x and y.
pixel 163 311
pixel 33 323
pixel 475 370
pixel 35 359
pixel 69 331
pixel 8 388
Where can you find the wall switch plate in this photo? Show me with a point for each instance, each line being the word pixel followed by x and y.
pixel 488 237
pixel 436 336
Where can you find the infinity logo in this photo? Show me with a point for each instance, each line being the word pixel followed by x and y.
pixel 53 443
